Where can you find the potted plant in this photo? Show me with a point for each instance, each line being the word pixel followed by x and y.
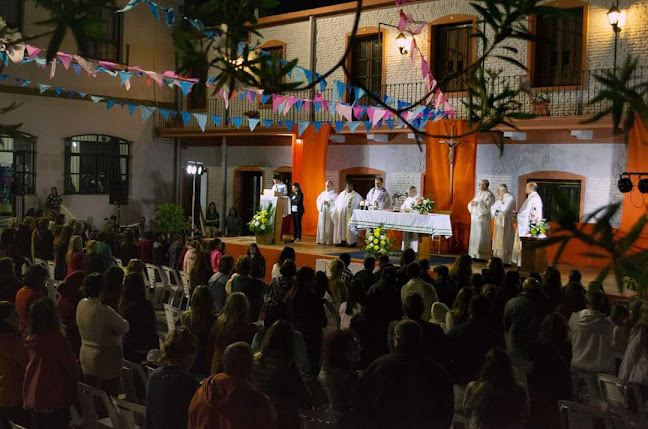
pixel 171 218
pixel 540 103
pixel 262 225
pixel 377 242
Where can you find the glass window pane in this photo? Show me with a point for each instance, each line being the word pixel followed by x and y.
pixel 93 160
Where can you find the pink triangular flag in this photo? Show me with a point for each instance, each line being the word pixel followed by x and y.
pixel 32 51
pixel 289 103
pixel 357 111
pixel 370 113
pixel 276 101
pixel 156 77
pixel 425 68
pixel 344 111
pixel 88 65
pixel 306 105
pixel 377 116
pixel 66 59
pixel 251 95
pixel 53 69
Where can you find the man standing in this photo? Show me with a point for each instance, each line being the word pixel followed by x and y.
pixel 278 185
pixel 418 286
pixel 503 211
pixel 347 201
pixel 54 200
pixel 480 226
pixel 325 202
pixel 410 239
pixel 378 197
pixel 591 337
pixel 530 211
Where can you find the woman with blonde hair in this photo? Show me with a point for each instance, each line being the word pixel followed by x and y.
pixel 92 261
pixel 336 285
pixel 231 326
pixel 74 254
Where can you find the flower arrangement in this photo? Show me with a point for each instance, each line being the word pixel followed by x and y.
pixel 261 222
pixel 538 228
pixel 423 205
pixel 377 242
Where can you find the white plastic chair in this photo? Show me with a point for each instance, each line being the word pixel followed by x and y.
pixel 129 374
pixel 574 415
pixel 130 415
pixel 87 398
pixel 624 400
pixel 52 287
pixel 154 272
pixel 51 268
pixel 173 282
pixel 119 263
pixel 186 287
pixel 172 315
pixel 42 263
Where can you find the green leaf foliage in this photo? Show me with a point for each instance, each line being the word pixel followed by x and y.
pixel 171 218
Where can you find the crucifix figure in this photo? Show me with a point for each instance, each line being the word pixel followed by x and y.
pixel 452 144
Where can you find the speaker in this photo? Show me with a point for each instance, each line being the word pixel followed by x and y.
pixel 118 193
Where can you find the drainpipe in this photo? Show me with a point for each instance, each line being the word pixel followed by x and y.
pixel 224 181
pixel 311 59
pixel 176 167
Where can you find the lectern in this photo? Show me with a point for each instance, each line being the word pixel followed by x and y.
pixel 533 254
pixel 281 205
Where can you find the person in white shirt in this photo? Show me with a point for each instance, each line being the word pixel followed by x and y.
pixel 503 211
pixel 410 239
pixel 531 210
pixel 346 201
pixel 325 202
pixel 279 186
pixel 378 197
pixel 479 246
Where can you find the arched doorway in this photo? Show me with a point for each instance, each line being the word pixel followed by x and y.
pixel 362 178
pixel 247 189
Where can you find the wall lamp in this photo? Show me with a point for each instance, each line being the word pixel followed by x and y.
pixel 614 18
pixel 401 39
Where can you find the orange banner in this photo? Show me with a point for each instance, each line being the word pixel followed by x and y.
pixel 309 170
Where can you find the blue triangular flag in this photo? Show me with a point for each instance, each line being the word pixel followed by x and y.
pixel 109 104
pixel 332 109
pixel 185 86
pixel 186 116
pixel 57 92
pixel 317 125
pixel 253 122
pixel 132 108
pixel 308 75
pixel 170 16
pixel 25 82
pixel 340 88
pixel 201 118
pixel 339 125
pixel 154 9
pixel 322 83
pixel 82 94
pixel 131 4
pixel 265 98
pixel 237 122
pixel 402 104
pixel 290 125
pixel 267 123
pixel 146 112
pixel 317 105
pixel 390 123
pixel 358 92
pixel 367 125
pixel 42 87
pixel 298 104
pixel 124 76
pixel 353 125
pixel 217 120
pixel 70 94
pixel 301 127
pixel 5 58
pixel 96 99
pixel 41 62
pixel 77 68
pixel 165 113
pixel 4 76
pixel 197 23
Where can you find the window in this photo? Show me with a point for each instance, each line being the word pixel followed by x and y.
pixel 453 51
pixel 16 168
pixel 558 52
pixel 547 188
pixel 12 11
pixel 366 66
pixel 107 46
pixel 92 162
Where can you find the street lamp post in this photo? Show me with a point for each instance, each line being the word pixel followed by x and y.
pixel 196 169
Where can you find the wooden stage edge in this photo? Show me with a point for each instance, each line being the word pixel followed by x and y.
pixel 307 253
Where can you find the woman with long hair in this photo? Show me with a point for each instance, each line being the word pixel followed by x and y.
pixel 13 361
pixel 634 367
pixel 231 326
pixel 341 352
pixel 43 241
pixel 61 244
pixel 218 281
pixel 215 253
pixel 92 261
pixel 138 311
pixel 336 284
pixel 552 285
pixel 34 288
pixel 69 296
pixel 494 272
pixel 112 293
pixel 286 253
pixel 51 377
pixel 297 210
pixel 279 287
pixel 258 261
pixel 351 306
pixel 9 282
pixel 200 319
pixel 127 247
pixel 212 220
pixel 495 400
pixel 461 272
pixel 233 224
pixel 459 312
pixel 74 255
pixel 201 270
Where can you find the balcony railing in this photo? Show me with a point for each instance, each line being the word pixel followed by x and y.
pixel 564 100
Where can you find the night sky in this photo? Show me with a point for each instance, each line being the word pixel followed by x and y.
pixel 294 5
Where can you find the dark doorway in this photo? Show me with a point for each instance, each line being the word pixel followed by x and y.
pixel 187 194
pixel 547 189
pixel 250 186
pixel 362 183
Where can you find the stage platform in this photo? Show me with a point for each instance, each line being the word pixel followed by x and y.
pixel 308 253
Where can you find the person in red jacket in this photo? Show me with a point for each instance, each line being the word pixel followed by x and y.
pixel 68 299
pixel 13 361
pixel 145 248
pixel 34 288
pixel 52 374
pixel 228 400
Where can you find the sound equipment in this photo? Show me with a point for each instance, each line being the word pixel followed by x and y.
pixel 118 193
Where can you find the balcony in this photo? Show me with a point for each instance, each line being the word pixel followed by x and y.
pixel 565 101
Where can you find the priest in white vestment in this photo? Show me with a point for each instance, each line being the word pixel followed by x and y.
pixel 480 222
pixel 325 202
pixel 346 201
pixel 531 210
pixel 503 212
pixel 410 239
pixel 378 197
pixel 279 186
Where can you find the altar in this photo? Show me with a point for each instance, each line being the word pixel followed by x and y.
pixel 429 225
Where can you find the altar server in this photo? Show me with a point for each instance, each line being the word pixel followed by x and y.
pixel 531 210
pixel 325 202
pixel 278 185
pixel 480 225
pixel 503 211
pixel 410 239
pixel 347 201
pixel 378 197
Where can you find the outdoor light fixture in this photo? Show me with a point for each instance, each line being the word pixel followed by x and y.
pixel 625 185
pixel 625 182
pixel 401 39
pixel 299 141
pixel 194 168
pixel 613 16
pixel 643 186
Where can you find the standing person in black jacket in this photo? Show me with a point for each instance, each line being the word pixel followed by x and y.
pixel 297 209
pixel 43 241
pixel 253 289
pixel 138 311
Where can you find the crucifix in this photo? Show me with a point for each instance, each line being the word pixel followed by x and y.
pixel 452 144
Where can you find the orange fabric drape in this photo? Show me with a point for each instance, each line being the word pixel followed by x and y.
pixel 309 170
pixel 637 162
pixel 437 174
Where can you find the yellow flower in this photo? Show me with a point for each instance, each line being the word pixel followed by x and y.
pixel 376 248
pixel 377 231
pixel 375 241
pixel 382 242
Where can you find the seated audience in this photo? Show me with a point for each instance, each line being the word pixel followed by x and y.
pixel 286 253
pixel 495 400
pixel 254 289
pixel 24 237
pixel 231 326
pixel 160 248
pixel 425 272
pixel 51 376
pixel 494 273
pixel 34 288
pixel 280 286
pixel 407 257
pixel 193 250
pixel 258 261
pixel 340 354
pixel 114 286
pixel 418 286
pixel 574 276
pixel 459 312
pixel 460 272
pixel 218 281
pixel 69 296
pixel 170 387
pixel 352 306
pixel 605 304
pixel 9 282
pixel 275 373
pixel 522 317
pixel 226 400
pixel 199 319
pixel 366 276
pixel 101 330
pixel 634 367
pixel 476 283
pixel 13 361
pixel 138 311
pixel 74 256
pixel 175 249
pixel 321 289
pixel 233 224
pixel 105 246
pixel 347 275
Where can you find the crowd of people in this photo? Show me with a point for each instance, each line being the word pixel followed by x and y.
pixel 391 345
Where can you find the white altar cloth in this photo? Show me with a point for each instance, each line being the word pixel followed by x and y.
pixel 432 224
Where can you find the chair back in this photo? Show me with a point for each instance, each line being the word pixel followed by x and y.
pixel 624 399
pixel 51 268
pixel 119 262
pixel 574 415
pixel 186 287
pixel 88 396
pixel 130 415
pixel 172 314
pixel 140 377
pixel 172 275
pixel 52 286
pixel 42 263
